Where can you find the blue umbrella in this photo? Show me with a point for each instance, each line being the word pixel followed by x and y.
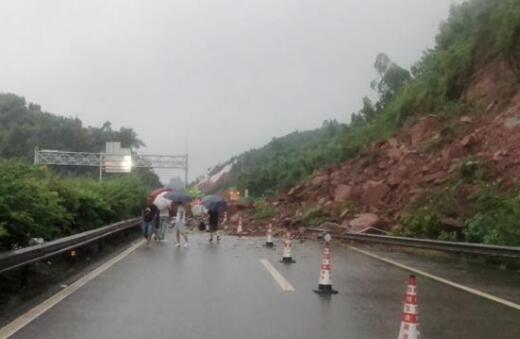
pixel 214 203
pixel 178 197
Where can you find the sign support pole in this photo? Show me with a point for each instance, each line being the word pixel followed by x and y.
pixel 101 168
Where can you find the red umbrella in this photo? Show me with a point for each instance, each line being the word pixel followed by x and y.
pixel 155 193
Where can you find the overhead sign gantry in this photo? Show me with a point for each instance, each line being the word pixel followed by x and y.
pixel 114 160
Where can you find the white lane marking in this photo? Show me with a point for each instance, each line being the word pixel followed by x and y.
pixel 439 279
pixel 284 284
pixel 20 322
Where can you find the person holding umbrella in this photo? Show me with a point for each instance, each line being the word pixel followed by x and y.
pixel 179 200
pixel 164 206
pixel 213 224
pixel 215 206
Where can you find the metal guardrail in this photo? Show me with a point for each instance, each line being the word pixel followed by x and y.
pixel 24 256
pixel 444 246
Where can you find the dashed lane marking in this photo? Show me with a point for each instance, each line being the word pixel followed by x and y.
pixel 439 279
pixel 284 284
pixel 38 310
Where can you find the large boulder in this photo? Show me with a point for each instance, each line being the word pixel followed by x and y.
pixel 419 132
pixel 295 190
pixel 455 151
pixel 397 175
pixel 393 142
pixel 468 141
pixel 343 193
pixel 336 178
pixel 319 180
pixel 512 122
pixel 465 119
pixel 394 154
pixel 374 192
pixel 363 221
pixel 516 98
pixel 437 177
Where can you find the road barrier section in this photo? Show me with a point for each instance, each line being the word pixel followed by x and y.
pixel 437 245
pixel 27 255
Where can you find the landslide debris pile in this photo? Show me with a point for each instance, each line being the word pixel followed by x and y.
pixel 438 160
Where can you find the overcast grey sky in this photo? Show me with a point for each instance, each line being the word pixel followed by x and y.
pixel 212 78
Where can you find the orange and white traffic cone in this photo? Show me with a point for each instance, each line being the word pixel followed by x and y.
pixel 325 284
pixel 239 227
pixel 410 321
pixel 287 248
pixel 269 240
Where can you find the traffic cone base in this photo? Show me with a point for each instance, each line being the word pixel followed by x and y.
pixel 287 260
pixel 287 249
pixel 269 240
pixel 325 289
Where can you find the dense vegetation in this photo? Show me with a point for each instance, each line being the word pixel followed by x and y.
pixel 288 159
pixel 53 202
pixel 24 126
pixel 486 215
pixel 35 202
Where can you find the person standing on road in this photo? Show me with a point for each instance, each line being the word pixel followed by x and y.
pixel 164 219
pixel 180 224
pixel 213 224
pixel 149 214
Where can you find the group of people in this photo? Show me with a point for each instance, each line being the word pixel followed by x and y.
pixel 156 221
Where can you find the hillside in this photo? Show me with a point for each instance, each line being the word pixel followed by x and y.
pixel 280 163
pixel 437 155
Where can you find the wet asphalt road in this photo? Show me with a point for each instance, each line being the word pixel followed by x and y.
pixel 223 291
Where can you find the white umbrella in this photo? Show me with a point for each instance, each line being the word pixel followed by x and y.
pixel 161 202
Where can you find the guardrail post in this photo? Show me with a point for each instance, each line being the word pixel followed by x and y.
pixel 101 244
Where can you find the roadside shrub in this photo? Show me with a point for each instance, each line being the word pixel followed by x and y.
pixel 35 202
pixel 316 216
pixel 473 170
pixel 263 209
pixel 497 220
pixel 422 223
pixel 27 208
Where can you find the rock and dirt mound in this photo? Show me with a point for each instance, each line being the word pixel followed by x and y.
pixel 374 190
